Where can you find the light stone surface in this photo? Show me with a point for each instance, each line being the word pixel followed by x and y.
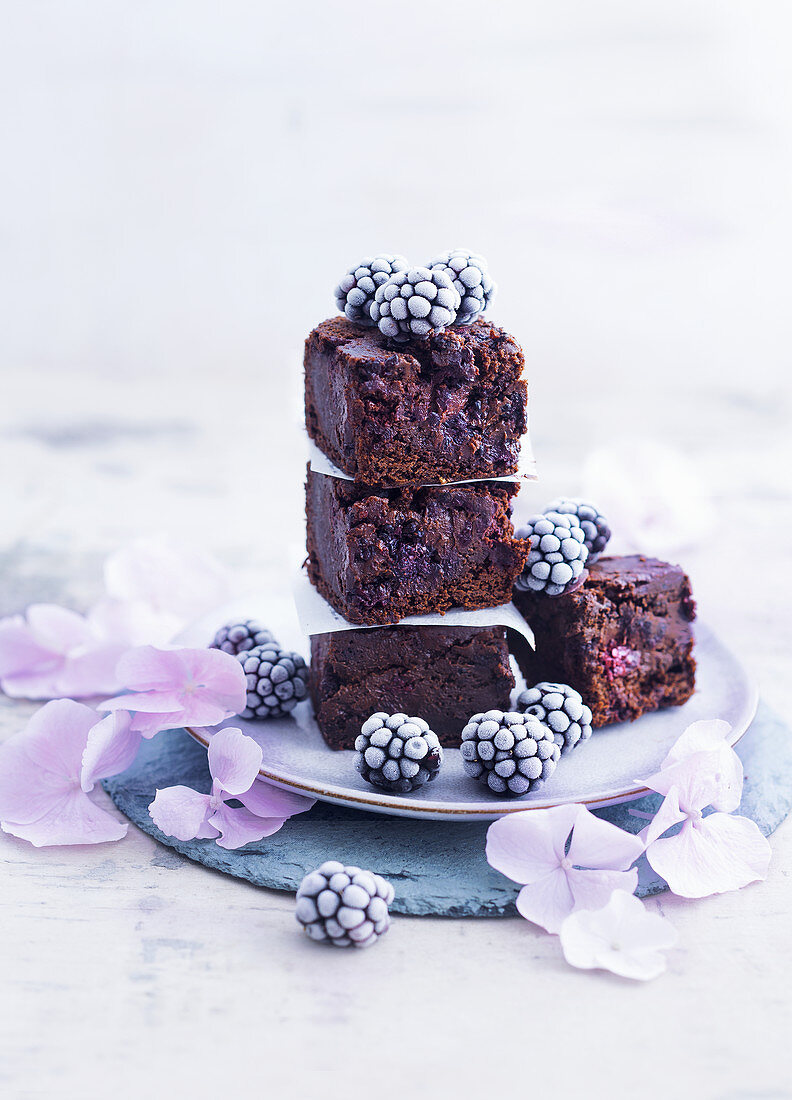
pixel 183 185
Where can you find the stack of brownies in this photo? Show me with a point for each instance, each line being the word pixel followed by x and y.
pixel 414 523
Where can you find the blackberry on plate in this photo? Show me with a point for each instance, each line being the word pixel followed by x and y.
pixel 240 636
pixel 344 906
pixel 277 680
pixel 354 295
pixel 417 302
pixel 561 708
pixel 397 753
pixel 595 526
pixel 512 753
pixel 557 556
pixel 468 272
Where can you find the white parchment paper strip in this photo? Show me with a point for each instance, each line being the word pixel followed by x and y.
pixel 318 617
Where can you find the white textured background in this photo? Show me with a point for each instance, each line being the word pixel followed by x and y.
pixel 182 183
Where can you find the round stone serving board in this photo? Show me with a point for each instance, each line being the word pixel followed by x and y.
pixel 437 869
pixel 605 770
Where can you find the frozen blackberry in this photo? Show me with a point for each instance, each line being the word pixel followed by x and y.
pixel 557 556
pixel 242 635
pixel 512 753
pixel 276 681
pixel 354 295
pixel 595 526
pixel 561 708
pixel 418 302
pixel 344 906
pixel 397 753
pixel 468 272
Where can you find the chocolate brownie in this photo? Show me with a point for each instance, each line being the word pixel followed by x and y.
pixel 378 555
pixel 624 640
pixel 441 674
pixel 446 408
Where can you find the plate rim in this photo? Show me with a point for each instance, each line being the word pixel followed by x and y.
pixel 398 806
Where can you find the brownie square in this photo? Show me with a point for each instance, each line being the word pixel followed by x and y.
pixel 624 640
pixel 378 555
pixel 450 407
pixel 440 674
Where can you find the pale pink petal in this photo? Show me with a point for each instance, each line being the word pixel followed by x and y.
pixel 40 684
pixel 21 651
pixel 593 889
pixel 526 846
pixel 711 855
pixel 546 901
pixel 711 778
pixel 27 791
pixel 56 735
pixel 597 843
pixel 666 817
pixel 148 725
pixel 234 760
pixel 92 672
pixel 239 826
pixel 702 736
pixel 168 577
pixel 73 819
pixel 180 812
pixel 133 623
pixel 267 801
pixel 150 668
pixel 146 702
pixel 59 629
pixel 111 747
pixel 622 937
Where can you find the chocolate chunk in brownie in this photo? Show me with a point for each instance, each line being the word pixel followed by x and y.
pixel 378 555
pixel 447 408
pixel 441 674
pixel 624 640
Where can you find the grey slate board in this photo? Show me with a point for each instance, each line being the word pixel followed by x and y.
pixel 437 871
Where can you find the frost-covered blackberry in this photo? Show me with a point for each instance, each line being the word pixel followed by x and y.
pixel 557 556
pixel 595 526
pixel 510 752
pixel 473 283
pixel 242 635
pixel 417 302
pixel 354 295
pixel 561 709
pixel 344 906
pixel 397 753
pixel 276 681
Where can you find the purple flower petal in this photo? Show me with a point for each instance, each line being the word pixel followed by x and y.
pixel 547 901
pixel 526 846
pixel 73 819
pixel 234 760
pixel 180 812
pixel 239 826
pixel 111 747
pixel 21 651
pixel 169 578
pixel 267 801
pixel 621 937
pixel 711 855
pixel 27 791
pixel 712 778
pixel 599 844
pixel 56 735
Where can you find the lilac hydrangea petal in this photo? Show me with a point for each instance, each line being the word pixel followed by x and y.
pixel 133 623
pixel 599 844
pixel 711 855
pixel 234 760
pixel 593 889
pixel 20 651
pixel 148 725
pixel 56 735
pixel 58 628
pixel 180 811
pixel 622 937
pixel 547 901
pixel 37 685
pixel 206 685
pixel 666 817
pixel 711 778
pixel 73 819
pixel 27 791
pixel 702 736
pixel 90 673
pixel 239 826
pixel 526 846
pixel 166 576
pixel 267 801
pixel 111 747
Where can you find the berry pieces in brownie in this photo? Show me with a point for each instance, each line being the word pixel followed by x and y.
pixel 624 640
pixel 378 555
pixel 447 408
pixel 443 674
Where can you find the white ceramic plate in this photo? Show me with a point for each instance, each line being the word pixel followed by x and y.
pixel 607 769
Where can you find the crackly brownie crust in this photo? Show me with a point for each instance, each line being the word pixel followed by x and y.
pixel 378 555
pixel 440 674
pixel 447 408
pixel 624 640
